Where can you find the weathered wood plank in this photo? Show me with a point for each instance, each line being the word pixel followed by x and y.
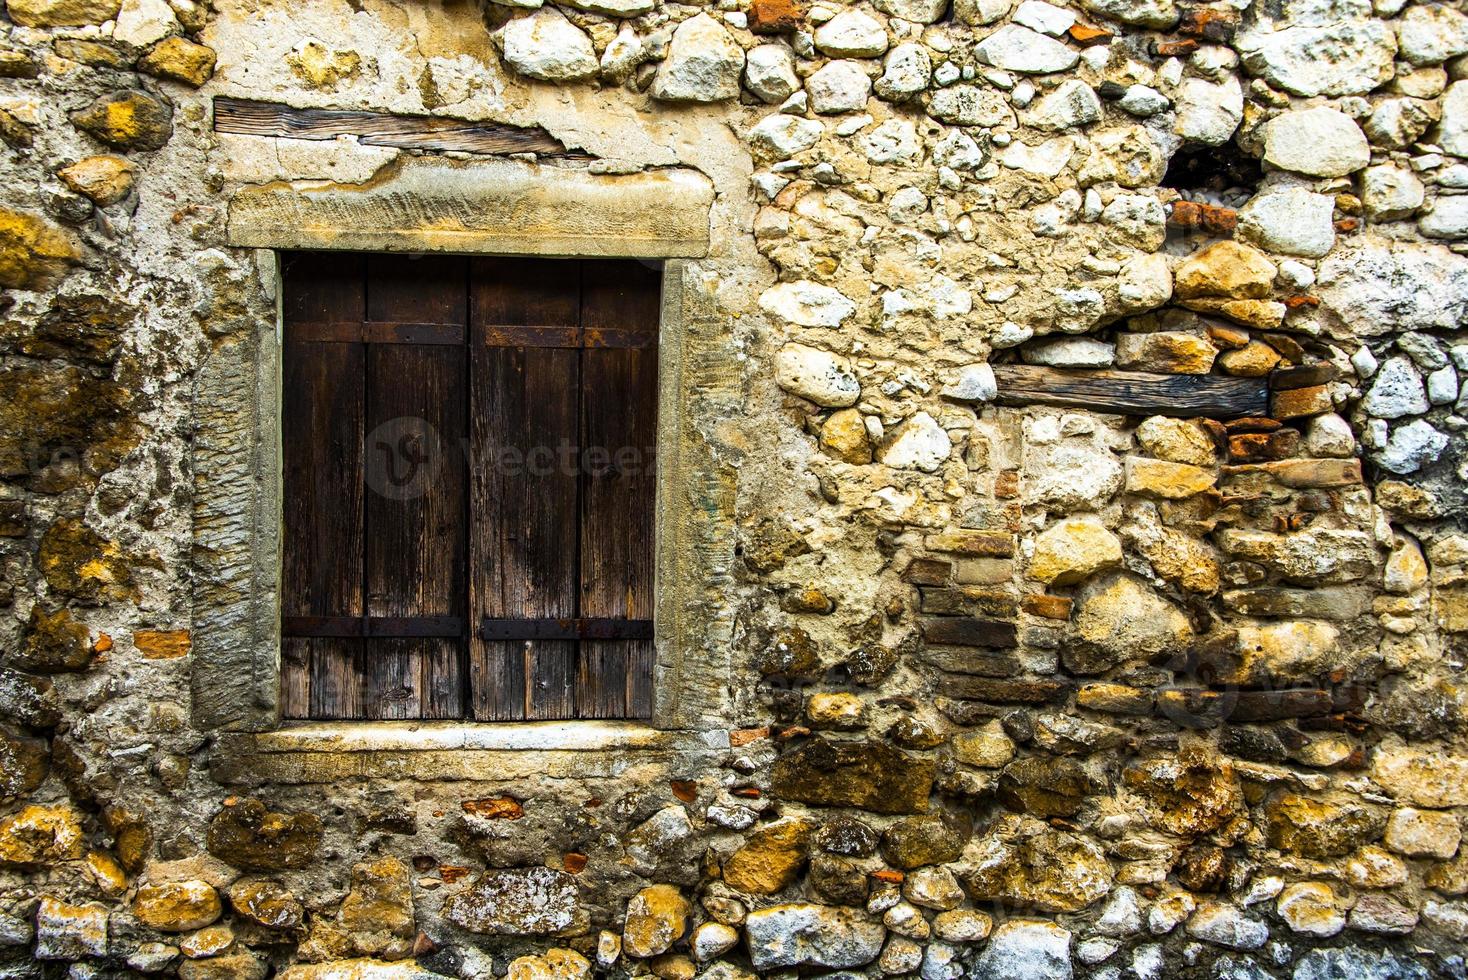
pixel 247 118
pixel 1133 392
pixel 524 499
pixel 322 417
pixel 619 409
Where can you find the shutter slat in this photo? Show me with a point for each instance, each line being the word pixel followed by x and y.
pixel 523 551
pixel 417 539
pixel 321 422
pixel 619 417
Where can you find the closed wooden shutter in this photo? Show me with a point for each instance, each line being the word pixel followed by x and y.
pixel 469 471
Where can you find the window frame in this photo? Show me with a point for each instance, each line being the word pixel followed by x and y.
pixel 237 559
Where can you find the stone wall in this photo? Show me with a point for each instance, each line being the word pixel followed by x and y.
pixel 1007 690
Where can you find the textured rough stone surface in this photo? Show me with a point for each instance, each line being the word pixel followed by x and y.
pixel 869 775
pixel 520 901
pixel 703 64
pixel 546 45
pixel 955 617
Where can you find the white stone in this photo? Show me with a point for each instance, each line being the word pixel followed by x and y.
pixel 1321 142
pixel 769 72
pixel 839 86
pixel 1290 220
pixel 1225 924
pixel 1072 103
pixel 1448 918
pixel 780 137
pixel 1160 14
pixel 1075 352
pixel 1389 192
pixel 1447 219
pixel 933 888
pixel 1452 133
pixel 1148 963
pixel 1320 47
pixel 974 383
pixel 1329 436
pixel 806 304
pixel 906 71
pixel 1026 949
pixel 970 105
pixel 1208 112
pixel 1411 447
pixel 1019 49
pixel 1011 334
pixel 1143 101
pixel 980 13
pixel 1073 477
pixel 547 46
pixel 919 443
pixel 940 962
pixel 895 141
pixel 902 955
pixel 851 34
pixel 711 940
pixel 1364 362
pixel 958 151
pixel 1311 908
pixel 948 298
pixel 1144 283
pixel 614 8
pixel 152 957
pixel 1121 916
pixel 143 23
pixel 1096 950
pixel 1423 833
pixel 817 375
pixel 1397 123
pixel 962 925
pixel 1396 392
pixel 802 934
pixel 1442 385
pixel 1047 159
pixel 622 55
pixel 70 932
pixel 1046 18
pixel 704 63
pixel 1431 33
pixel 906 205
pixel 1382 287
pixel 1165 916
pixel 916 11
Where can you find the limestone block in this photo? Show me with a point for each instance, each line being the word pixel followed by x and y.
pixel 489 205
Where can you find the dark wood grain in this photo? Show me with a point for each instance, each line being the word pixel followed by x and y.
pixel 524 496
pixel 415 527
pixel 249 118
pixel 322 412
pixel 452 547
pixel 618 481
pixel 1133 392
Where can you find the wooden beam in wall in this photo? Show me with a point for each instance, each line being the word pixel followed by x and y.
pixel 244 117
pixel 1133 392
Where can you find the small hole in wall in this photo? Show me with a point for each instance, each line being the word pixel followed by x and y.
pixel 1213 174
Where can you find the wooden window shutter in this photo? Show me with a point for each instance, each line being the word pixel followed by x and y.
pixel 469 470
pixel 565 425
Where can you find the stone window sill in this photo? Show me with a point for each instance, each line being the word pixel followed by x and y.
pixel 438 736
pixel 321 753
